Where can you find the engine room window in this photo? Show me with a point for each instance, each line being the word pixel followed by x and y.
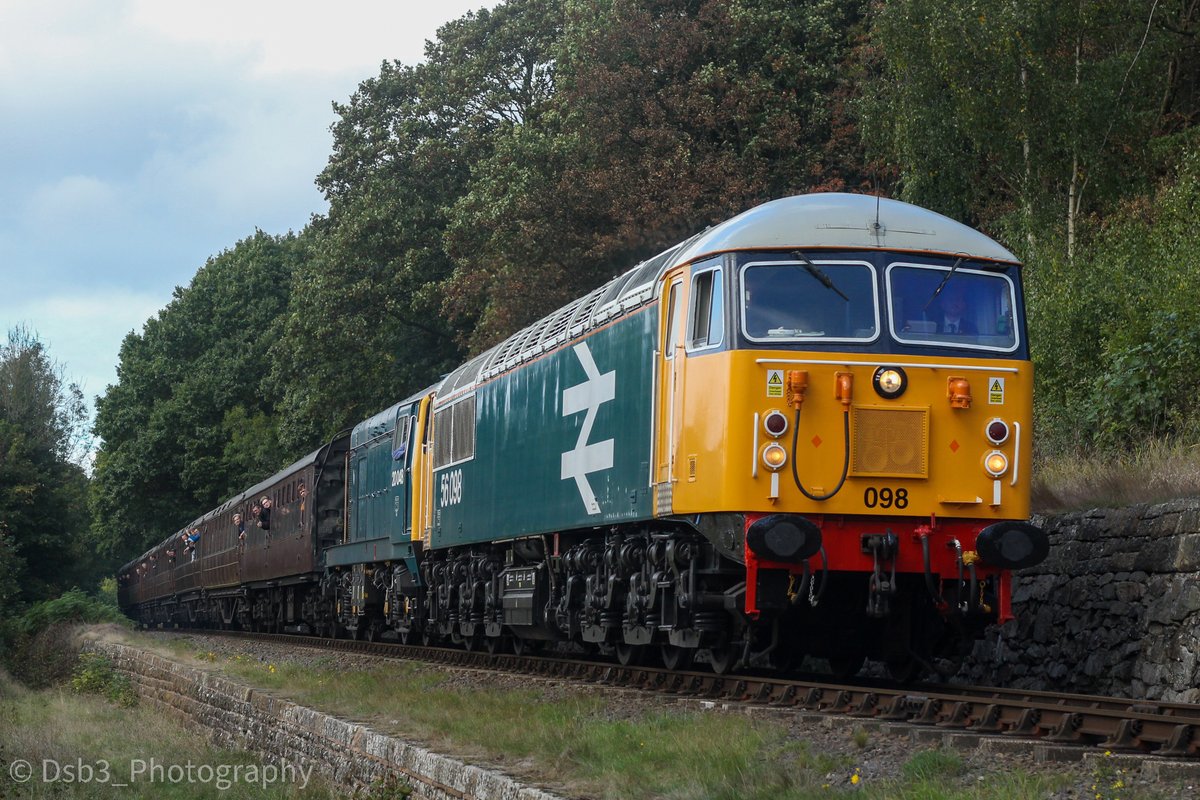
pixel 788 301
pixel 951 307
pixel 708 310
pixel 454 433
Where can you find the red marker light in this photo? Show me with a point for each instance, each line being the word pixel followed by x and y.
pixel 775 423
pixel 997 431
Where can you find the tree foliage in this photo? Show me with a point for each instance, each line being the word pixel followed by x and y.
pixel 1116 341
pixel 1019 116
pixel 42 491
pixel 168 421
pixel 667 116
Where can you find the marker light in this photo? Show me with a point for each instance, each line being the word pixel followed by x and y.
pixel 774 456
pixel 889 382
pixel 958 391
pixel 995 463
pixel 997 431
pixel 775 423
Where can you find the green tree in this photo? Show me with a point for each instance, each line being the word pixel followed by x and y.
pixel 42 491
pixel 1009 114
pixel 1134 291
pixel 166 426
pixel 367 322
pixel 666 116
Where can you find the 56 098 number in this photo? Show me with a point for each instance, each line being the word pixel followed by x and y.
pixel 885 498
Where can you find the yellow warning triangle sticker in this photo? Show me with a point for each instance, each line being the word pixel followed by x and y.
pixel 775 378
pixel 996 386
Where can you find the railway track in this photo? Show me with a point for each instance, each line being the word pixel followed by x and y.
pixel 1113 724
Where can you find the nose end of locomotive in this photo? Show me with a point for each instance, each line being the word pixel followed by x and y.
pixel 788 538
pixel 1012 545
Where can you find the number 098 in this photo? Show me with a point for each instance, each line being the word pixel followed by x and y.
pixel 885 498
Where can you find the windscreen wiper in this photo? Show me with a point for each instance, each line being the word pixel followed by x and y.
pixel 942 285
pixel 819 274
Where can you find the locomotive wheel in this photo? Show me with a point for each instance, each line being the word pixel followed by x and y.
pixel 722 659
pixel 494 644
pixel 674 658
pixel 629 655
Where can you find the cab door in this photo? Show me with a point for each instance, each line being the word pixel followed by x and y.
pixel 670 370
pixel 401 475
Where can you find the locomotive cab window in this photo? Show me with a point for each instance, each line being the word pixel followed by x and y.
pixel 795 301
pixel 673 311
pixel 400 438
pixel 707 327
pixel 952 306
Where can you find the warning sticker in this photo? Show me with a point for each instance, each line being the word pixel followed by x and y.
pixel 774 383
pixel 995 391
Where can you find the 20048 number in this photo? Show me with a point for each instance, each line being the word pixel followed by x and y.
pixel 885 498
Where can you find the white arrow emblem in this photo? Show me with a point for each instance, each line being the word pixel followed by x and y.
pixel 588 396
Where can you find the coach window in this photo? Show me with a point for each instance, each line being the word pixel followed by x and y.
pixel 672 320
pixel 707 327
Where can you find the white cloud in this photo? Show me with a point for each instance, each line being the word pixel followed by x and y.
pixel 84 331
pixel 72 201
pixel 304 36
pixel 141 137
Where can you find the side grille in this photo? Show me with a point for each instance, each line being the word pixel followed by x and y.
pixel 890 442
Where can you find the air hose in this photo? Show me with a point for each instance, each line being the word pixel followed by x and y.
pixel 845 461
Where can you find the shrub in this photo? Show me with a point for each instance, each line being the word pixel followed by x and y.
pixel 73 606
pixel 38 645
pixel 94 674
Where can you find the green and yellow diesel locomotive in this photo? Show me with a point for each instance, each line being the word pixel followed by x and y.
pixel 805 431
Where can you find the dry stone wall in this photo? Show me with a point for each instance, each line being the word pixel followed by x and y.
pixel 350 755
pixel 1114 610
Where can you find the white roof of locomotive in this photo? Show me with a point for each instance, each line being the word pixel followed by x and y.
pixel 843 221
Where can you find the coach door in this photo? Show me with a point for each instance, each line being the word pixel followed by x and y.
pixel 401 488
pixel 669 371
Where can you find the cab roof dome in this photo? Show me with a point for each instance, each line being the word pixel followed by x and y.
pixel 844 222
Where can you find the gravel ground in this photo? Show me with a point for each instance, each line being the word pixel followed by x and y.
pixel 877 753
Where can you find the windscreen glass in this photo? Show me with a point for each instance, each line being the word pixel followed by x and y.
pixel 965 308
pixel 786 301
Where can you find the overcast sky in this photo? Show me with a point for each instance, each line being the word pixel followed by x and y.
pixel 140 137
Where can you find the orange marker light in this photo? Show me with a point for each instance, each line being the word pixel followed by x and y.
pixel 774 457
pixel 958 390
pixel 995 463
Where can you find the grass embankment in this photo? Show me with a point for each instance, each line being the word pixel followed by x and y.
pixel 589 745
pixel 61 743
pixel 1153 472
